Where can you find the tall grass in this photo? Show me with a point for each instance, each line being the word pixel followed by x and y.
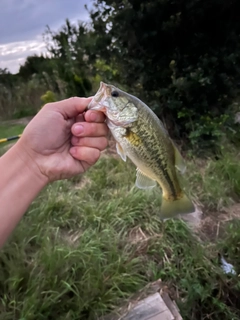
pixel 87 244
pixel 23 98
pixel 215 183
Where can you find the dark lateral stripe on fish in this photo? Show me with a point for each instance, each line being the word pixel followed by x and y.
pixel 167 177
pixel 162 167
pixel 129 135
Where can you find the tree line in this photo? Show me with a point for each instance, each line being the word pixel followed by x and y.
pixel 181 57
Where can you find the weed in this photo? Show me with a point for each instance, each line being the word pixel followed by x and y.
pixel 87 244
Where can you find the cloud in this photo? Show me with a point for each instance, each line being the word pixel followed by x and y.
pixel 12 55
pixel 23 22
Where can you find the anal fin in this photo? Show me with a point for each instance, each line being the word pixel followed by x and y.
pixel 179 161
pixel 144 182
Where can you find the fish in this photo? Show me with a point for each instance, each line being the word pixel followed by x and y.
pixel 141 136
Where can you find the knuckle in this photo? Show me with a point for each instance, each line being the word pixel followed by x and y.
pixel 48 105
pixel 106 130
pixel 82 141
pixel 75 141
pixel 74 101
pixel 95 155
pixel 93 128
pixel 74 98
pixel 104 143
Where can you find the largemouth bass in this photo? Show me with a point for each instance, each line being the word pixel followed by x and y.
pixel 141 136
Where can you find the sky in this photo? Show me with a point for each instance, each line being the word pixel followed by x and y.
pixel 22 23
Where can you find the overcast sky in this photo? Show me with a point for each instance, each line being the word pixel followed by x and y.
pixel 22 23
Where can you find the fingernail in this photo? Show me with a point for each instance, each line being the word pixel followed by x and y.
pixel 78 129
pixel 93 116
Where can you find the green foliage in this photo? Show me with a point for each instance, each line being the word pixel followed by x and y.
pixel 230 245
pixel 23 112
pixel 8 130
pixel 68 47
pixel 79 252
pixel 76 253
pixel 36 65
pixel 181 57
pixel 49 96
pixel 65 74
pixel 19 99
pixel 215 183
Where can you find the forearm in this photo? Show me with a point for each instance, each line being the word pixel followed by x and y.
pixel 19 185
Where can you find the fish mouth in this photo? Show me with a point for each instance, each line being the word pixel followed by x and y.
pixel 97 102
pixel 101 92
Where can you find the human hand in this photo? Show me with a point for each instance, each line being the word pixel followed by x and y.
pixel 58 143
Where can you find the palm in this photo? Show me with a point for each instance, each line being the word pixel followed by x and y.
pixel 53 146
pixel 56 146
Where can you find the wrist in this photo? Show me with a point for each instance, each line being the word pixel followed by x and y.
pixel 20 184
pixel 29 165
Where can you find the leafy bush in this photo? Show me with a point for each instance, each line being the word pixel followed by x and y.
pixel 181 57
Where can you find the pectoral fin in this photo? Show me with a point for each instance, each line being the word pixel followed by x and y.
pixel 121 152
pixel 179 161
pixel 143 182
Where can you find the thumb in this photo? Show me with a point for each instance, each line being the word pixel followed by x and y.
pixel 71 107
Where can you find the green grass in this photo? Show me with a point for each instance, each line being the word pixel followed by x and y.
pixel 215 183
pixel 6 131
pixel 74 254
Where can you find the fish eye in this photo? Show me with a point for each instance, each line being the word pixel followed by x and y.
pixel 115 94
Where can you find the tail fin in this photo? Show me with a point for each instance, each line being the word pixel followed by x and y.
pixel 173 208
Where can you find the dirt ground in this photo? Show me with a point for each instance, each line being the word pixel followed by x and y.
pixel 23 121
pixel 212 224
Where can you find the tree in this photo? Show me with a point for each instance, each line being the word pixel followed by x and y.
pixel 181 56
pixel 36 65
pixel 68 47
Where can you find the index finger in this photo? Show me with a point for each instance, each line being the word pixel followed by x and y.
pixel 71 107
